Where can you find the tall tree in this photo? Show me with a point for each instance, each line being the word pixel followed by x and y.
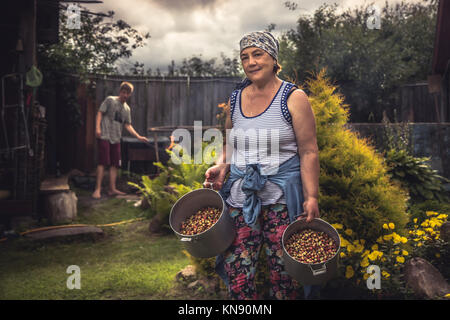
pixel 94 47
pixel 367 64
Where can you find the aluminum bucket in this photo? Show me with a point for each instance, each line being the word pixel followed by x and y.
pixel 311 274
pixel 217 238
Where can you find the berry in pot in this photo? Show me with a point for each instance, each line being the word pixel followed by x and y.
pixel 201 221
pixel 311 246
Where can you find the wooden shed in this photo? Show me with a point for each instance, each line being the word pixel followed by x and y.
pixel 439 81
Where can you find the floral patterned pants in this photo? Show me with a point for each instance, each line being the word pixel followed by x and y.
pixel 241 257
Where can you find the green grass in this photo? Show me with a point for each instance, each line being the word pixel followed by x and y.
pixel 126 263
pixel 109 211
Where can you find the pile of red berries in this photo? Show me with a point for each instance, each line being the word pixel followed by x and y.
pixel 310 246
pixel 200 221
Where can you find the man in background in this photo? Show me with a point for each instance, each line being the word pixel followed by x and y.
pixel 112 116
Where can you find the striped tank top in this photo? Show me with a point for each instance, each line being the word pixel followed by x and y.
pixel 267 139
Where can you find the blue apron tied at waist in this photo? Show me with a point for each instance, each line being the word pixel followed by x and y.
pixel 288 178
pixel 252 182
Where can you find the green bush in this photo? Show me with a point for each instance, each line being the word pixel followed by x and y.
pixel 417 176
pixel 174 181
pixel 355 187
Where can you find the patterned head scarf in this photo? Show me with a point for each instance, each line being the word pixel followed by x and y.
pixel 263 40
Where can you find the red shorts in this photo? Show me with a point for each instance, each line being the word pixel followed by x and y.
pixel 108 153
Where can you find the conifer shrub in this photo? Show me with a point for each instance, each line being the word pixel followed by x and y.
pixel 354 186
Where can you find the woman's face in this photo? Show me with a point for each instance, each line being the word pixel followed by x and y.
pixel 257 63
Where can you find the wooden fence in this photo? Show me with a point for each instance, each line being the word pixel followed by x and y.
pixel 416 104
pixel 170 102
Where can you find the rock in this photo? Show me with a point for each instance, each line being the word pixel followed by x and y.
pixel 187 274
pixel 211 286
pixel 194 285
pixel 445 231
pixel 63 232
pixel 424 279
pixel 60 207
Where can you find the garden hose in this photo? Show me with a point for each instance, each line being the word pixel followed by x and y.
pixel 74 225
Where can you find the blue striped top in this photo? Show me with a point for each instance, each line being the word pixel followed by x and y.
pixel 267 139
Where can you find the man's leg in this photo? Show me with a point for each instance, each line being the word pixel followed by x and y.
pixel 98 183
pixel 103 160
pixel 112 182
pixel 115 164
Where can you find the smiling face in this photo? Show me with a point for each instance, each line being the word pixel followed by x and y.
pixel 257 64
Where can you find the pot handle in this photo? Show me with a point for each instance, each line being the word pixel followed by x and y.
pixel 208 185
pixel 319 271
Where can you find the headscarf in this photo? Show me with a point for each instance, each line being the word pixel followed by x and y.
pixel 263 40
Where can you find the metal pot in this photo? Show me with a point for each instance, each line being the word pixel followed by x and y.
pixel 311 274
pixel 217 238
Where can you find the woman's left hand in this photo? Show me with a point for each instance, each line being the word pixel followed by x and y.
pixel 311 209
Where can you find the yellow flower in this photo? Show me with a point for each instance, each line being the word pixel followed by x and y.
pixel 337 225
pixel 375 255
pixel 438 255
pixel 349 272
pixel 342 254
pixel 344 242
pixel 366 276
pixel 364 262
pixel 419 244
pixel 431 213
pixel 350 248
pixel 442 216
pixel 403 240
pixel 349 232
pixel 359 248
pixel 374 247
pixel 387 237
pixel 380 239
pixel 447 296
pixel 385 226
pixel 415 220
pixel 385 274
pixel 365 253
pixel 405 253
pixel 396 252
pixel 391 226
pixel 400 259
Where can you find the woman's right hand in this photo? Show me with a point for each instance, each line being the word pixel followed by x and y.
pixel 98 133
pixel 215 176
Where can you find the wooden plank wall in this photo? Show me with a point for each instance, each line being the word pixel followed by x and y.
pixel 418 105
pixel 170 102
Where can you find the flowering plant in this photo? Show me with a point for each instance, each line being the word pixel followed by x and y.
pixel 390 252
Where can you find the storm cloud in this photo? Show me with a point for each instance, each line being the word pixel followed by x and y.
pixel 186 4
pixel 182 28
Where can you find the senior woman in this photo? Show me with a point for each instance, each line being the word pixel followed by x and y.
pixel 270 184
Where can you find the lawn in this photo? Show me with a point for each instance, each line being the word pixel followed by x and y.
pixel 126 263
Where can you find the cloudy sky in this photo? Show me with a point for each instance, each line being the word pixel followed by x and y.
pixel 183 28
